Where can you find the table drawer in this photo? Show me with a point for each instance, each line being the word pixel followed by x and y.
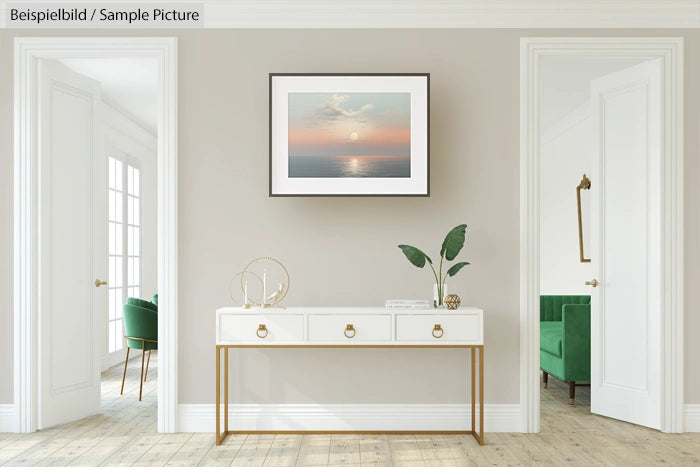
pixel 439 328
pixel 350 328
pixel 261 329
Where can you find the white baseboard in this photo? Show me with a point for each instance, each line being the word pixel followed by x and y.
pixel 691 418
pixel 8 419
pixel 351 417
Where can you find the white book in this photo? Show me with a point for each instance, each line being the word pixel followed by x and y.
pixel 407 302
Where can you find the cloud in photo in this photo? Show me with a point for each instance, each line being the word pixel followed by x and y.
pixel 332 109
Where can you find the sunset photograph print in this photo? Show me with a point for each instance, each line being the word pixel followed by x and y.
pixel 349 135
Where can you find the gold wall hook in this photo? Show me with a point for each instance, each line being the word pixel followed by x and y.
pixel 584 185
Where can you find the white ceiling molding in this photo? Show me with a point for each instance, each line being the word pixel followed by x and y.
pixel 441 13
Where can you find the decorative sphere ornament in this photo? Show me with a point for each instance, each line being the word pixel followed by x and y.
pixel 452 302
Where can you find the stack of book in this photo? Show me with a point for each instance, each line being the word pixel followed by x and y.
pixel 408 304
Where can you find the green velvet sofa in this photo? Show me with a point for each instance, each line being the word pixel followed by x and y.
pixel 565 339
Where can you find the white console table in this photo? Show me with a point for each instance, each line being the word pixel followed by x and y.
pixel 350 328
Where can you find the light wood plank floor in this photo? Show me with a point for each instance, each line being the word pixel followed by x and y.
pixel 125 433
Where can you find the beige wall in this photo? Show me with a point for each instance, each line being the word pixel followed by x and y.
pixel 342 251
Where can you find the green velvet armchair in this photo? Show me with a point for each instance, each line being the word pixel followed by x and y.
pixel 565 339
pixel 141 327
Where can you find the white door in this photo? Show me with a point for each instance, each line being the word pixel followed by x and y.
pixel 626 245
pixel 73 232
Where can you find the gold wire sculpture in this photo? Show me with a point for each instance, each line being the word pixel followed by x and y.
pixel 245 303
pixel 272 300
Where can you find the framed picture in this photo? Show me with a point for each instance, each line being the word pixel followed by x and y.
pixel 349 134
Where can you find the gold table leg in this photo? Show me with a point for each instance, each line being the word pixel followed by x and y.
pixel 225 390
pixel 218 395
pixel 473 381
pixel 478 436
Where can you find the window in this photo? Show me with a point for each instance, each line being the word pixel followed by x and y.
pixel 124 243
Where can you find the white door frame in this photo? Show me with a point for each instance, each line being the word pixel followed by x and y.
pixel 27 231
pixel 670 51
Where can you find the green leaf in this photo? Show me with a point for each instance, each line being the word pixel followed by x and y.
pixel 455 269
pixel 454 241
pixel 415 256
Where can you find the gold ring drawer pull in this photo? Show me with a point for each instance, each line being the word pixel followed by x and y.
pixel 437 329
pixel 349 328
pixel 260 330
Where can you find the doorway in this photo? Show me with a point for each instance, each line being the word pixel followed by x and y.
pixel 579 97
pixel 34 367
pixel 542 248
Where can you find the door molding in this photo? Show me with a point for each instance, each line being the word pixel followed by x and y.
pixel 670 51
pixel 27 231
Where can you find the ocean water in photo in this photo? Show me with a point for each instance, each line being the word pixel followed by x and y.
pixel 350 167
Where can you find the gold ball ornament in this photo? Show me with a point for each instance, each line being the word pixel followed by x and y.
pixel 452 302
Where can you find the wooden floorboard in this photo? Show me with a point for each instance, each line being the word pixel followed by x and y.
pixel 124 433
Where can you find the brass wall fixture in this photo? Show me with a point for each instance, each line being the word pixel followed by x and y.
pixel 584 185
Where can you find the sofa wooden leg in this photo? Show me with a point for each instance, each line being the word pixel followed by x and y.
pixel 545 378
pixel 572 392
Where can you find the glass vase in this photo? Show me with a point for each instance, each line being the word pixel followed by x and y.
pixel 437 299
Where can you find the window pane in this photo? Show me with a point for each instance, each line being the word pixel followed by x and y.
pixel 130 180
pixel 137 293
pixel 137 212
pixel 112 303
pixel 118 174
pixel 112 206
pixel 119 239
pixel 130 241
pixel 118 272
pixel 130 271
pixel 117 302
pixel 137 241
pixel 112 280
pixel 111 175
pixel 112 238
pixel 137 271
pixel 118 207
pixel 137 182
pixel 130 210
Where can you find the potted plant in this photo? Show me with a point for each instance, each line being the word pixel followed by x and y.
pixel 451 246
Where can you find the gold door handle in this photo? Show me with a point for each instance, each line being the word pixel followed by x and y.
pixel 436 329
pixel 261 328
pixel 349 328
pixel 592 283
pixel 99 282
pixel 584 185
